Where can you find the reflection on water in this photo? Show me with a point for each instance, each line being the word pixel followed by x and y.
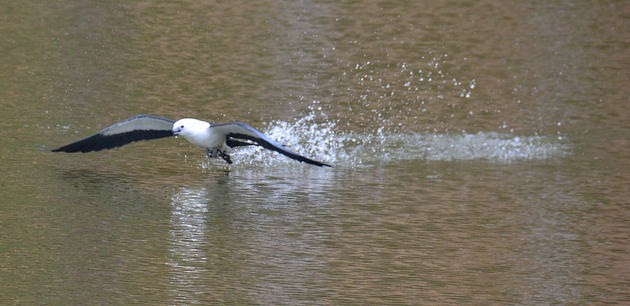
pixel 187 239
pixel 326 236
pixel 251 233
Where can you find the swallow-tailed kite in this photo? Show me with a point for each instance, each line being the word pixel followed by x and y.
pixel 218 139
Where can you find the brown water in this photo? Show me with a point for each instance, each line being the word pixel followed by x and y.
pixel 480 149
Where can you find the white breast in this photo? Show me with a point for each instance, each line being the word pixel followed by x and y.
pixel 207 139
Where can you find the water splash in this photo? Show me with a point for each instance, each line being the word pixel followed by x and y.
pixel 315 137
pixel 306 136
pixel 489 146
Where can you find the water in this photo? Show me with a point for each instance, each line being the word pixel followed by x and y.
pixel 479 151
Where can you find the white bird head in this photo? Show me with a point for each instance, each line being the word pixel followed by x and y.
pixel 189 128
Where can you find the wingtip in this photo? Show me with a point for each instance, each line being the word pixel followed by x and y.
pixel 317 163
pixel 322 164
pixel 59 149
pixel 64 150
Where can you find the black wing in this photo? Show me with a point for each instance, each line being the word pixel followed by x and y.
pixel 140 127
pixel 237 132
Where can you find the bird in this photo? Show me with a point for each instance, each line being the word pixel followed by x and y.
pixel 218 139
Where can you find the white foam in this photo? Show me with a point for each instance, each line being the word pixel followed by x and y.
pixel 316 138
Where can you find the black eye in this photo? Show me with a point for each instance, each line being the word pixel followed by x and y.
pixel 182 126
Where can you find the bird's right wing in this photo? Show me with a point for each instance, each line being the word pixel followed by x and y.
pixel 140 127
pixel 238 132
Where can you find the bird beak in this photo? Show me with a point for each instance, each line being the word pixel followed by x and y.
pixel 176 131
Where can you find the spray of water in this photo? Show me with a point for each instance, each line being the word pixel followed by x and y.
pixel 389 98
pixel 315 137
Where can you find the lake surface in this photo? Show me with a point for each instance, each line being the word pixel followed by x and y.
pixel 480 150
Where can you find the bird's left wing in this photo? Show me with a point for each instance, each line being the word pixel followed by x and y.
pixel 140 127
pixel 241 131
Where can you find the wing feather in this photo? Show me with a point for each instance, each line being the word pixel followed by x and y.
pixel 241 131
pixel 137 128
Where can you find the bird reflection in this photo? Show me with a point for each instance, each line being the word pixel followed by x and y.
pixel 188 240
pixel 233 227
